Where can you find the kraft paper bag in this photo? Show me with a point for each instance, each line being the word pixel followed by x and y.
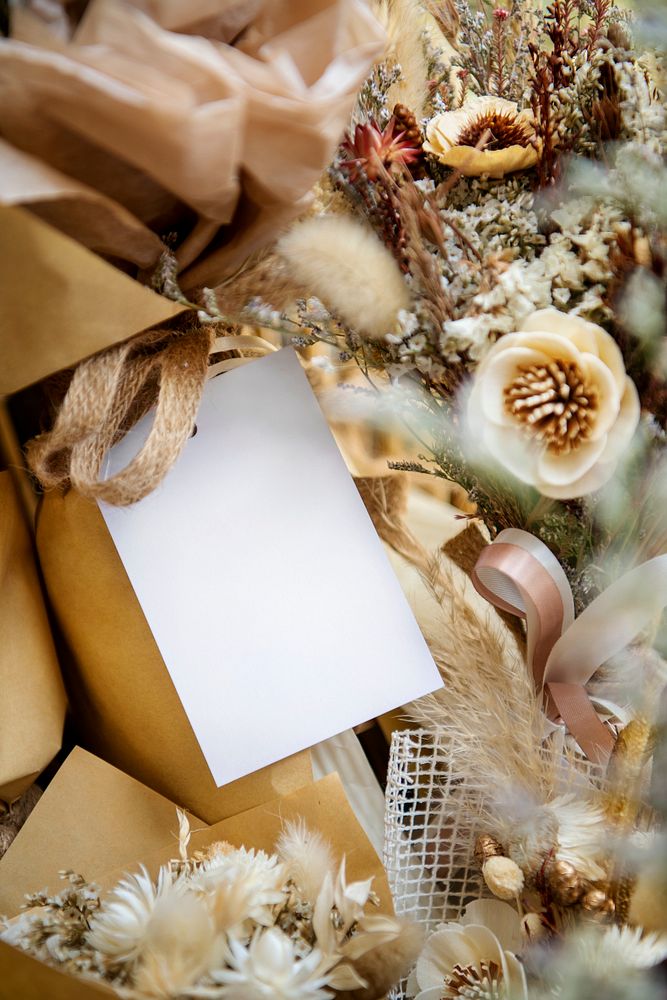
pixel 59 302
pixel 322 805
pixel 32 698
pixel 124 702
pixel 25 978
pixel 91 818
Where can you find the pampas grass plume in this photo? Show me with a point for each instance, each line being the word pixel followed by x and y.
pixel 343 264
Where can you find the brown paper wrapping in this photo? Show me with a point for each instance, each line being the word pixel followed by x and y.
pixel 322 805
pixel 91 819
pixel 60 303
pixel 122 695
pixel 185 133
pixel 32 699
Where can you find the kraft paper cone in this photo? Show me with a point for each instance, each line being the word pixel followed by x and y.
pixel 25 978
pixel 32 699
pixel 91 819
pixel 60 303
pixel 124 701
pixel 322 805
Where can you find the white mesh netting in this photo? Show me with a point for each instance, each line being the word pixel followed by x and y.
pixel 428 848
pixel 427 853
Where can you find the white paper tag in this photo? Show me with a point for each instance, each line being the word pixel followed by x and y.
pixel 262 579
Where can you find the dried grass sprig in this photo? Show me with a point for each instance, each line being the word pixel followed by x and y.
pixel 403 22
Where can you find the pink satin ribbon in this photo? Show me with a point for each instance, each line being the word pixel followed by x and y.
pixel 519 574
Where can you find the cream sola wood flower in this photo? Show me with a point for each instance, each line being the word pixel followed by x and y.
pixel 552 402
pixel 473 958
pixel 497 125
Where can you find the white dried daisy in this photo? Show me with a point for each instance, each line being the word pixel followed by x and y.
pixel 614 948
pixel 119 929
pixel 181 946
pixel 241 884
pixel 269 969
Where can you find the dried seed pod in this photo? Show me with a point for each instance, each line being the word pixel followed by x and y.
pixel 486 846
pixel 503 877
pixel 565 883
pixel 533 927
pixel 407 123
pixel 598 905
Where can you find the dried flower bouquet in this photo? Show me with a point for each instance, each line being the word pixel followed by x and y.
pixel 509 239
pixel 491 253
pixel 226 922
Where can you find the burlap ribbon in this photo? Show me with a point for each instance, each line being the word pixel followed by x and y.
pixel 108 393
pixel 520 575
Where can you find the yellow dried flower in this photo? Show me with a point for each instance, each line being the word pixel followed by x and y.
pixel 505 133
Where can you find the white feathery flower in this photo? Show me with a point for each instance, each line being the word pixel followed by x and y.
pixel 307 857
pixel 631 947
pixel 581 830
pixel 241 885
pixel 119 929
pixel 181 946
pixel 269 969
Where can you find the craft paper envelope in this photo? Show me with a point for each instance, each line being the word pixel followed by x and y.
pixel 91 819
pixel 322 805
pixel 262 579
pixel 60 303
pixel 32 698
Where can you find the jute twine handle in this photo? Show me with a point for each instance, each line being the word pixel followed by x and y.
pixel 111 391
pixel 107 394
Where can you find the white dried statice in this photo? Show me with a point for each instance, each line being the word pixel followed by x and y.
pixel 643 115
pixel 572 272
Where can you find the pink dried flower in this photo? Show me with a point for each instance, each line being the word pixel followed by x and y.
pixel 371 149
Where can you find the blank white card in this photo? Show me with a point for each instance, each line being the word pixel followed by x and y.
pixel 262 579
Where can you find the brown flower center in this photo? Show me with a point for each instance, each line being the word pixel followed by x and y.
pixel 485 983
pixel 501 131
pixel 554 403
